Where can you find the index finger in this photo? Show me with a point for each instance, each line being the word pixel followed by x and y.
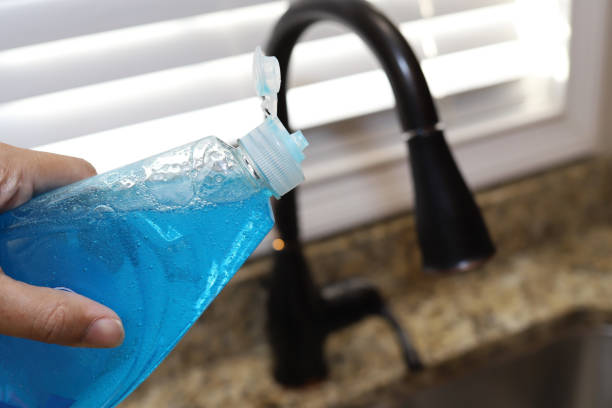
pixel 24 173
pixel 52 170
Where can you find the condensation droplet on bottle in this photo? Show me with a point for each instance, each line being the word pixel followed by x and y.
pixel 102 209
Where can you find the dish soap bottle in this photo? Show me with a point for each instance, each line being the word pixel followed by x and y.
pixel 156 241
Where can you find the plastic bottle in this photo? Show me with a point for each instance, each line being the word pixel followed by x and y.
pixel 156 241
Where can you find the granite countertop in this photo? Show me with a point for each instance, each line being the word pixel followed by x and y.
pixel 554 237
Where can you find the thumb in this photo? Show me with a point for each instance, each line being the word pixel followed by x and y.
pixel 55 316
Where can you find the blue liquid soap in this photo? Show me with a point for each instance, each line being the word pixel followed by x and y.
pixel 156 241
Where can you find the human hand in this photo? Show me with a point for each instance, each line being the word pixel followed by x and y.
pixel 44 314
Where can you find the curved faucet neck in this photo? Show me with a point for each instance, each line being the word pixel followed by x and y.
pixel 414 104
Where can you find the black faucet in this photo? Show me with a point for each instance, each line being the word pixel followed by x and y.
pixel 452 234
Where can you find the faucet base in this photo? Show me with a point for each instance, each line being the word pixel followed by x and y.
pixel 301 317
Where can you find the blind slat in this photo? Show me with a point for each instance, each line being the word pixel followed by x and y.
pixel 35 21
pixel 82 61
pixel 331 146
pixel 62 65
pixel 441 7
pixel 30 22
pixel 93 109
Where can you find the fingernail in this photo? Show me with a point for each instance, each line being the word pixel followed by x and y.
pixel 105 332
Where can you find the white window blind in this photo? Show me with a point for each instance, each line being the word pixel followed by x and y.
pixel 114 81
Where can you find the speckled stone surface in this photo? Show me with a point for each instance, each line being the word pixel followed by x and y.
pixel 554 237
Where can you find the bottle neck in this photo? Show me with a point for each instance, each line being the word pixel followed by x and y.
pixel 255 175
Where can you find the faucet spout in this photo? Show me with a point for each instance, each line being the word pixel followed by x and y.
pixel 452 234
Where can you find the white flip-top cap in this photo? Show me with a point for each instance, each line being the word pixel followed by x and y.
pixel 276 153
pixel 266 73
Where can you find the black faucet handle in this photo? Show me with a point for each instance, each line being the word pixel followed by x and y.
pixel 347 302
